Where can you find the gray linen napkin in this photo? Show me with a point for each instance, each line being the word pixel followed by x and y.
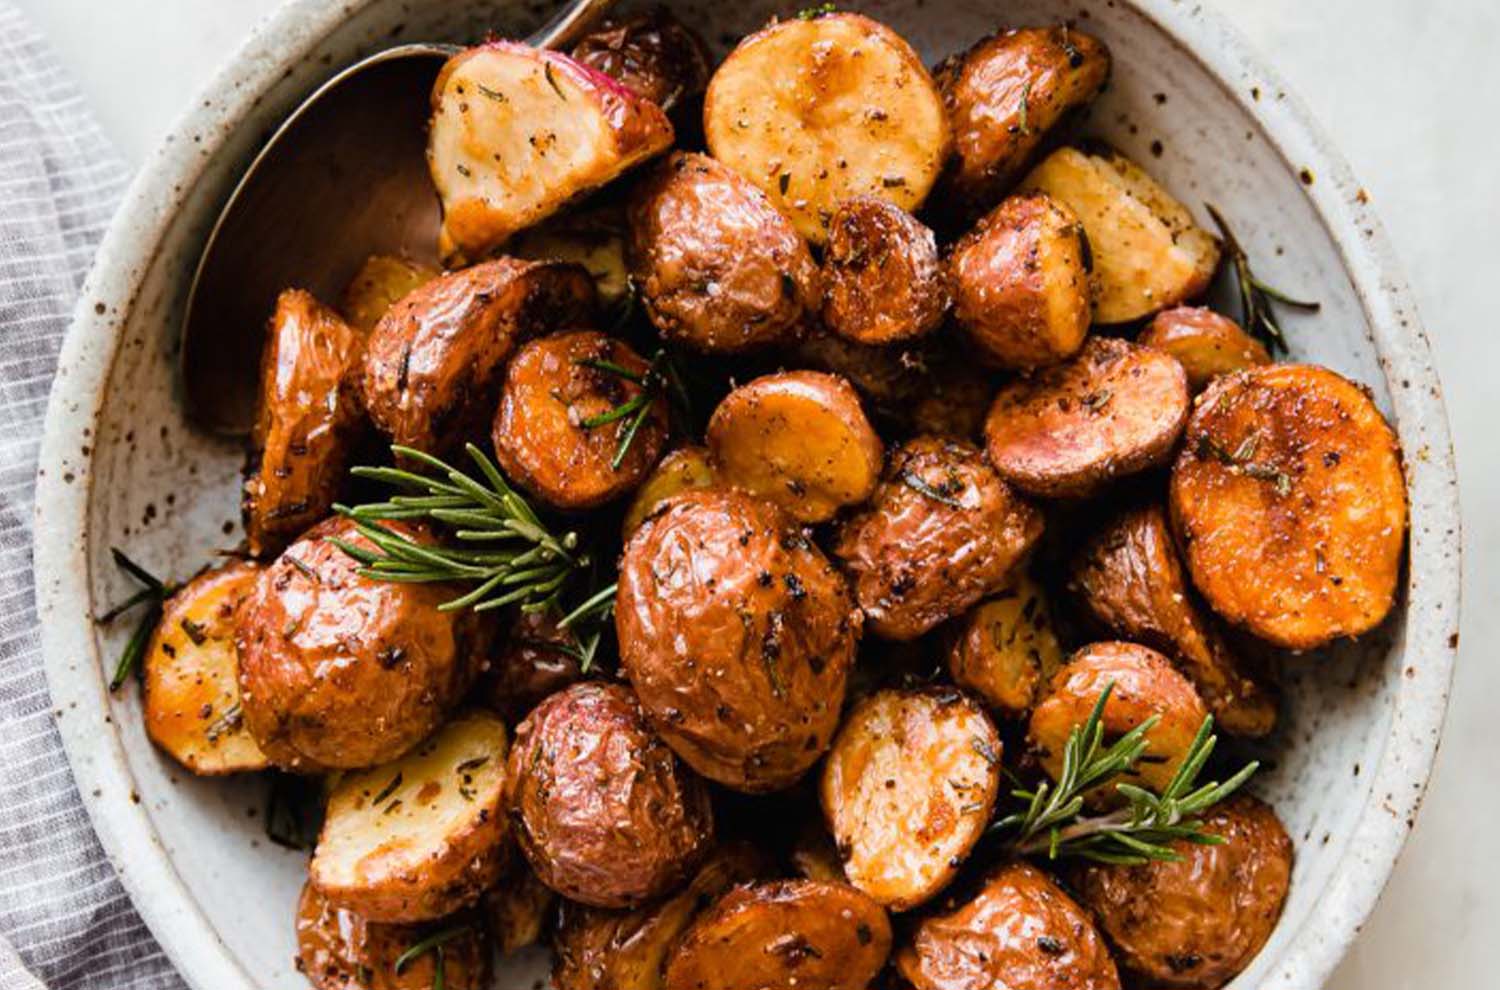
pixel 62 910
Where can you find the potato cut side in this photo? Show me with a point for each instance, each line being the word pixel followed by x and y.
pixel 682 470
pixel 422 836
pixel 1005 649
pixel 816 111
pixel 908 790
pixel 1148 253
pixel 380 282
pixel 593 238
pixel 518 132
pixel 192 676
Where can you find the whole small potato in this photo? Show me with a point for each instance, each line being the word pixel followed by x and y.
pixel 883 281
pixel 534 659
pixel 654 55
pixel 1206 344
pixel 1005 649
pixel 682 470
pixel 604 812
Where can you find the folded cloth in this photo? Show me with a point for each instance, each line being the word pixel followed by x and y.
pixel 62 909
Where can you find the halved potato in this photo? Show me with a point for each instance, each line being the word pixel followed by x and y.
pixel 379 283
pixel 799 439
pixel 423 836
pixel 1149 254
pixel 1004 649
pixel 593 238
pixel 518 132
pixel 883 281
pixel 519 908
pixel 1205 343
pixel 908 789
pixel 817 110
pixel 683 469
pixel 192 687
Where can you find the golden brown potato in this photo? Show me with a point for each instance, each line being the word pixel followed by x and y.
pixel 908 789
pixel 1019 931
pixel 1144 685
pixel 1004 649
pixel 518 908
pixel 1290 505
pixel 338 671
pixel 535 659
pixel 1206 344
pixel 593 237
pixel 435 362
pixel 654 55
pixel 787 935
pixel 1198 921
pixel 738 636
pixel 1148 252
pixel 421 837
pixel 192 692
pixel 1003 97
pixel 883 281
pixel 941 532
pixel 564 419
pixel 1128 579
pixel 719 269
pixel 381 282
pixel 682 470
pixel 1069 430
pixel 339 950
pixel 1020 283
pixel 519 132
pixel 819 110
pixel 604 812
pixel 307 418
pixel 798 439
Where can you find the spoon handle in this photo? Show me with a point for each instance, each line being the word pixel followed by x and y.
pixel 569 23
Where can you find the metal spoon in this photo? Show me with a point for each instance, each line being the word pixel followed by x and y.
pixel 344 176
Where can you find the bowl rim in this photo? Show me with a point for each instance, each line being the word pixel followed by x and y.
pixel 134 238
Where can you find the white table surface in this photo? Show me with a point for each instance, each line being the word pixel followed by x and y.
pixel 1410 90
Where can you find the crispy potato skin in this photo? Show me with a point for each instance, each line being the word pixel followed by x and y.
pixel 307 418
pixel 603 810
pixel 908 789
pixel 1004 96
pixel 541 440
pixel 192 692
pixel 535 659
pixel 799 439
pixel 1069 430
pixel 738 636
pixel 1020 930
pixel 435 362
pixel 1021 283
pixel 339 950
pixel 1129 580
pixel 719 269
pixel 682 470
pixel 519 908
pixel 1145 684
pixel 786 935
pixel 381 282
pixel 1197 922
pixel 883 280
pixel 917 560
pixel 1205 343
pixel 1289 502
pixel 1004 649
pixel 341 672
pixel 654 55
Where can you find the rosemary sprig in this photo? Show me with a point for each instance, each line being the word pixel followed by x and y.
pixel 154 595
pixel 591 614
pixel 1257 313
pixel 660 378
pixel 433 943
pixel 813 13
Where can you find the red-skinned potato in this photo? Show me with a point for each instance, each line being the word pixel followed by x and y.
pixel 654 55
pixel 1005 649
pixel 883 280
pixel 1205 343
pixel 534 659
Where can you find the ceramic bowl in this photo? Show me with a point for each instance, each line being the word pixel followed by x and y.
pixel 120 467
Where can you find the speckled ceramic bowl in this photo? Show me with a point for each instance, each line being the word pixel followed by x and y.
pixel 122 468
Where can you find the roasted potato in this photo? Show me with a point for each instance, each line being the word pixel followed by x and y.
pixel 719 269
pixel 435 362
pixel 307 418
pixel 1144 684
pixel 1206 344
pixel 654 55
pixel 786 935
pixel 518 132
pixel 535 659
pixel 1290 505
pixel 1200 920
pixel 381 282
pixel 941 532
pixel 192 692
pixel 798 439
pixel 593 237
pixel 882 278
pixel 1128 579
pixel 1020 283
pixel 682 470
pixel 889 378
pixel 954 402
pixel 339 950
pixel 819 110
pixel 568 429
pixel 339 671
pixel 1005 649
pixel 1148 252
pixel 604 812
pixel 1003 98
pixel 908 789
pixel 1069 430
pixel 1019 931
pixel 738 636
pixel 423 836
pixel 519 908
